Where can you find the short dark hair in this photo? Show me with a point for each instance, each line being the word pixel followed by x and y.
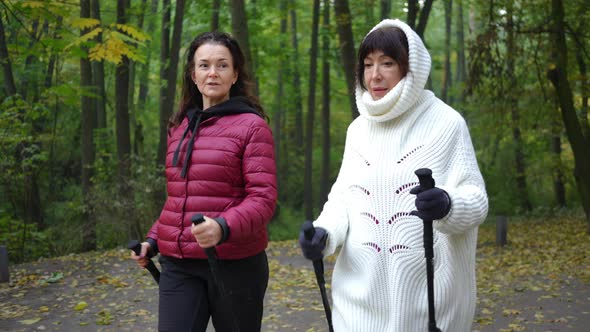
pixel 392 41
pixel 191 96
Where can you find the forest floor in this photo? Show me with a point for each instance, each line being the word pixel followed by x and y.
pixel 540 281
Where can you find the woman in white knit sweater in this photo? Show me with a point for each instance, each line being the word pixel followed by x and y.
pixel 379 281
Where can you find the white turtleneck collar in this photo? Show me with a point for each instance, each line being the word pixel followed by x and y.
pixel 405 94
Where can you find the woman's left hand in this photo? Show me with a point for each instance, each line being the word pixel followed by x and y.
pixel 208 233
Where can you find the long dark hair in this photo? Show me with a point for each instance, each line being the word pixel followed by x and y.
pixel 392 41
pixel 191 96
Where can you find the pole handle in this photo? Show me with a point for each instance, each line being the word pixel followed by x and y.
pixel 196 219
pixel 136 247
pixel 308 230
pixel 425 178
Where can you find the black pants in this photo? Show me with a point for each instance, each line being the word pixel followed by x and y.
pixel 189 296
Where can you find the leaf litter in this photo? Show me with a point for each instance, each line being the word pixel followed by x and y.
pixel 539 281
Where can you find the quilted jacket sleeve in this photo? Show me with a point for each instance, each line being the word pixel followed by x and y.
pixel 259 172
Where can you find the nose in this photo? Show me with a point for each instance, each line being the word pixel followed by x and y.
pixel 375 73
pixel 212 71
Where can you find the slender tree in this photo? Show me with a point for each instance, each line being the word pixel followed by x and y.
pixel 239 27
pixel 98 75
pixel 165 65
pixel 413 11
pixel 385 8
pixel 88 120
pixel 279 101
pixel 298 139
pixel 145 67
pixel 123 131
pixel 347 52
pixel 9 85
pixel 169 56
pixel 325 166
pixel 516 123
pixel 447 77
pixel 313 55
pixel 215 6
pixel 558 76
pixel 460 74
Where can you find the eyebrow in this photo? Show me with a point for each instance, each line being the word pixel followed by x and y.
pixel 207 60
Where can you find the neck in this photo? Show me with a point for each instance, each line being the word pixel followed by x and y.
pixel 208 102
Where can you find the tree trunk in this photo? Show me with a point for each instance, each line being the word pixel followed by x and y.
pixel 412 13
pixel 325 170
pixel 558 181
pixel 145 68
pixel 29 79
pixel 165 65
pixel 583 92
pixel 98 75
pixel 9 85
pixel 521 185
pixel 558 77
pixel 347 52
pixel 279 103
pixel 123 133
pixel 88 124
pixel 460 76
pixel 313 58
pixel 216 4
pixel 239 27
pixel 447 77
pixel 296 81
pixel 385 9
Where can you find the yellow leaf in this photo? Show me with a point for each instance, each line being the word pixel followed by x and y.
pixel 81 306
pixel 30 321
pixel 85 23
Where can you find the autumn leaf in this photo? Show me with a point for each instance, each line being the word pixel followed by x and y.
pixel 81 306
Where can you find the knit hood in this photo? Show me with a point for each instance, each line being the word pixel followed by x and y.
pixel 405 94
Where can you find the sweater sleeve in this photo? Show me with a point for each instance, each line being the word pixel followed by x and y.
pixel 466 189
pixel 334 215
pixel 259 172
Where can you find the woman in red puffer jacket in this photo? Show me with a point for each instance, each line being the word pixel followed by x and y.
pixel 220 164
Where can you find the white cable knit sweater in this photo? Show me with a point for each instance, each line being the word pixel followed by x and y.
pixel 379 281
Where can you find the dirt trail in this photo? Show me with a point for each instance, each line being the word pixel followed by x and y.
pixel 92 292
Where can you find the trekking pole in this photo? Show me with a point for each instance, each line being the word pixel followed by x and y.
pixel 318 268
pixel 136 247
pixel 427 182
pixel 211 253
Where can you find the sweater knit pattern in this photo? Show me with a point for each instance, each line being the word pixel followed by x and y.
pixel 379 281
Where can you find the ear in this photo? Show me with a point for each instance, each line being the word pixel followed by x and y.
pixel 235 77
pixel 193 76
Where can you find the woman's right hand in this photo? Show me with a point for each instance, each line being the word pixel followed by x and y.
pixel 142 260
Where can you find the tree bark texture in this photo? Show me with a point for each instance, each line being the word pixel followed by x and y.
pixel 447 77
pixel 239 27
pixel 559 78
pixel 325 166
pixel 88 120
pixel 313 56
pixel 347 50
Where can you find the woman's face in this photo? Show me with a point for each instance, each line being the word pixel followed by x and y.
pixel 214 73
pixel 381 73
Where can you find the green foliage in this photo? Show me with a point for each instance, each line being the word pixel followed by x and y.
pixel 23 241
pixel 40 127
pixel 286 223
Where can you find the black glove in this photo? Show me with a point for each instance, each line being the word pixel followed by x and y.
pixel 432 204
pixel 312 249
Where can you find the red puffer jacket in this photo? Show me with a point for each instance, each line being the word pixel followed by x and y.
pixel 230 173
